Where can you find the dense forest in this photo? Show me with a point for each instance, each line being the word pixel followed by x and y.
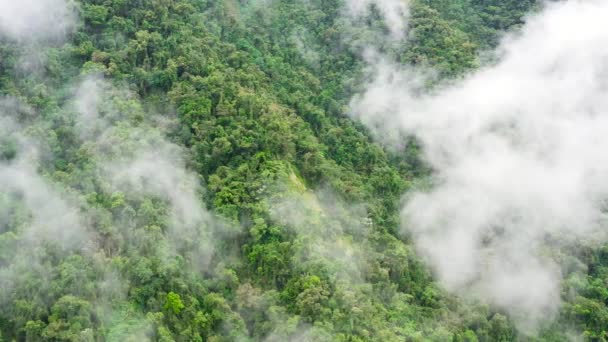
pixel 189 170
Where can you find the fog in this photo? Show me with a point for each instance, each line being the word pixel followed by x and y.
pixel 518 153
pixel 394 12
pixel 37 20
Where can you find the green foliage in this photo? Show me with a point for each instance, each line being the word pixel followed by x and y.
pixel 174 303
pixel 70 320
pixel 263 124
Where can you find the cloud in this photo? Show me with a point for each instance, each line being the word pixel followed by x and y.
pixel 394 12
pixel 37 20
pixel 50 217
pixel 518 150
pixel 45 225
pixel 134 157
pixel 38 219
pixel 332 232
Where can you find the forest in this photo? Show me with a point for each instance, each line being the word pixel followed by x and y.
pixel 293 170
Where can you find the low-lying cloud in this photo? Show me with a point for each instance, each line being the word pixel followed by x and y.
pixel 129 159
pixel 37 20
pixel 518 150
pixel 134 157
pixel 394 12
pixel 332 232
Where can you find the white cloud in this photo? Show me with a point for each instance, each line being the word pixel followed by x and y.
pixel 35 20
pixel 519 153
pixel 135 158
pixel 395 12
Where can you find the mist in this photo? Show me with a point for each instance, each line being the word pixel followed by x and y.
pixel 518 153
pixel 37 20
pixel 39 220
pixel 332 232
pixel 50 221
pixel 144 163
pixel 394 12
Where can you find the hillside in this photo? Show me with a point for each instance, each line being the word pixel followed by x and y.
pixel 196 170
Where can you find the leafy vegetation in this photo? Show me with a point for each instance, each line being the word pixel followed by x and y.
pixel 304 205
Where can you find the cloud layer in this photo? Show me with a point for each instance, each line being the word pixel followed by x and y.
pixel 36 20
pixel 519 153
pixel 132 162
pixel 394 12
pixel 136 158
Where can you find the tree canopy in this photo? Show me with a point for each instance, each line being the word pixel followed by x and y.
pixel 196 178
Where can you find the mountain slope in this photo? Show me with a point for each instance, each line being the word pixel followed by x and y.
pixel 185 170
